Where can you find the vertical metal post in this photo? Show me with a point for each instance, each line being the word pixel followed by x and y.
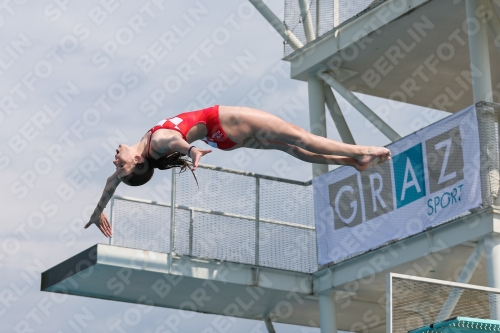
pixel 317 18
pixel 492 251
pixel 327 314
pixel 111 219
pixel 257 218
pixel 482 91
pixel 172 221
pixel 191 221
pixel 479 55
pixel 488 163
pixel 388 303
pixel 317 119
pixel 336 13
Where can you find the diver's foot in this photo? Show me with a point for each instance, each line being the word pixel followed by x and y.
pixel 373 156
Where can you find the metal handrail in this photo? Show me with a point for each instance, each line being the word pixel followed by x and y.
pixel 256 175
pixel 214 212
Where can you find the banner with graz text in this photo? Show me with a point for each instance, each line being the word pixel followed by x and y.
pixel 432 177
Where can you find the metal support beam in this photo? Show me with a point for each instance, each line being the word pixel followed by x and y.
pixel 327 313
pixel 337 116
pixel 317 18
pixel 172 221
pixel 479 55
pixel 492 252
pixel 305 13
pixel 269 325
pixel 317 117
pixel 464 277
pixel 287 35
pixel 482 91
pixel 257 220
pixel 111 213
pixel 493 23
pixel 336 13
pixel 361 107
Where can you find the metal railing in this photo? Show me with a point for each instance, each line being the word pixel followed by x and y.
pixel 264 221
pixel 413 301
pixel 324 16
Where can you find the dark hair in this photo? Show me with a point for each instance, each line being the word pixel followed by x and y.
pixel 143 172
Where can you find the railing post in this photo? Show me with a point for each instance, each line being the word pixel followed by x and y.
pixel 317 18
pixel 111 219
pixel 172 221
pixel 257 217
pixel 191 221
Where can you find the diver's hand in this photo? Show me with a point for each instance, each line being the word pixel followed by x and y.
pixel 196 154
pixel 101 221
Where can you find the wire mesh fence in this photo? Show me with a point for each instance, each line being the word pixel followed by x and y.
pixel 417 302
pixel 326 15
pixel 233 216
pixel 140 225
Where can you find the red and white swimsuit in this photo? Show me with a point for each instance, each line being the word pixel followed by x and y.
pixel 182 123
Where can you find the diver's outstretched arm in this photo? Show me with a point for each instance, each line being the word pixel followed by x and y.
pixel 98 217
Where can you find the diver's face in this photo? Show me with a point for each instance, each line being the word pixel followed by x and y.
pixel 124 160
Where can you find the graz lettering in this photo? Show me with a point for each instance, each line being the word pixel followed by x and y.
pixel 426 169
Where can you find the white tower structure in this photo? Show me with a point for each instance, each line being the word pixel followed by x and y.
pixel 250 251
pixel 404 50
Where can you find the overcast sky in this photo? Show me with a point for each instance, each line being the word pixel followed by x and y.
pixel 76 75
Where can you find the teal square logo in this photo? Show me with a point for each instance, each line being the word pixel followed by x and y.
pixel 409 175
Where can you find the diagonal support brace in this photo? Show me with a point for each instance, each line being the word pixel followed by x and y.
pixel 273 20
pixel 269 324
pixel 306 20
pixel 493 22
pixel 464 277
pixel 361 107
pixel 337 116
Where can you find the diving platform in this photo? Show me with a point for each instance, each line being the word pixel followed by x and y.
pixel 246 291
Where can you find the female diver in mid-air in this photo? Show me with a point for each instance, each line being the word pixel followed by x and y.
pixel 167 145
